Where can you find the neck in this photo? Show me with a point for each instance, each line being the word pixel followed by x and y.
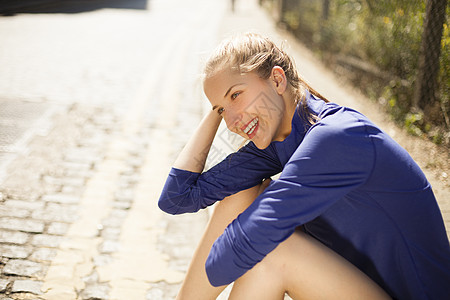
pixel 286 121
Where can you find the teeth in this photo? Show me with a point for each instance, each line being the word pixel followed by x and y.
pixel 251 127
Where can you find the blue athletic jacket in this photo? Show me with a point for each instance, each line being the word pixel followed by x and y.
pixel 347 183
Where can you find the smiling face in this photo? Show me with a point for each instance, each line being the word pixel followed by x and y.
pixel 252 107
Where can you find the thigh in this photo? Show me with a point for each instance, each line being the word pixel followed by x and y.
pixel 196 285
pixel 310 270
pixel 305 269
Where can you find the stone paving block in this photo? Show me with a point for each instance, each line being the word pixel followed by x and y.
pixel 135 162
pixel 68 189
pixel 93 141
pixel 61 198
pixel 162 291
pixel 118 213
pixel 155 294
pixel 21 267
pixel 82 155
pixel 76 166
pixel 13 237
pixel 24 204
pixel 74 181
pixel 27 286
pixel 14 251
pixel 111 233
pixel 21 194
pixel 85 174
pixel 43 254
pixel 6 211
pixel 32 226
pixel 58 228
pixel 98 292
pixel 3 261
pixel 129 171
pixel 3 285
pixel 47 240
pixel 52 180
pixel 121 205
pixel 91 279
pixel 102 260
pixel 124 195
pixel 112 222
pixel 109 246
pixel 56 212
pixel 130 179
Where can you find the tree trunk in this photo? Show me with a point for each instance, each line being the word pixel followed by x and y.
pixel 325 9
pixel 430 49
pixel 282 7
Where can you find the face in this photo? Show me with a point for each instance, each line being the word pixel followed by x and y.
pixel 251 107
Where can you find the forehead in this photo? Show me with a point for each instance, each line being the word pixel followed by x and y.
pixel 221 79
pixel 217 85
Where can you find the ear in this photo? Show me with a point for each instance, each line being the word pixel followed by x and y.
pixel 279 79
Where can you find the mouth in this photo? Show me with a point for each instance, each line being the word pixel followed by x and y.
pixel 250 128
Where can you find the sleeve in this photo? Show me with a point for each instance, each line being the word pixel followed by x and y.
pixel 329 163
pixel 185 191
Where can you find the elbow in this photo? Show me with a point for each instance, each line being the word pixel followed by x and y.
pixel 176 205
pixel 163 205
pixel 179 195
pixel 166 205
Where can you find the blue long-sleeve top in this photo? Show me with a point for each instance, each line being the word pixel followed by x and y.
pixel 347 183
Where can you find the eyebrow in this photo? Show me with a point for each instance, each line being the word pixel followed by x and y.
pixel 231 88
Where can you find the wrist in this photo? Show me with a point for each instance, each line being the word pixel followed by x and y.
pixel 212 119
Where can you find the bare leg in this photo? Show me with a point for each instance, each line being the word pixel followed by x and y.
pixel 300 266
pixel 196 285
pixel 305 269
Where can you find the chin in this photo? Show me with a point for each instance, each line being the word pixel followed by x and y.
pixel 261 145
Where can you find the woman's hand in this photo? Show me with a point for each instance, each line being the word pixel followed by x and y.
pixel 193 156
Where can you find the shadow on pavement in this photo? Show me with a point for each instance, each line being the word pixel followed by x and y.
pixel 12 7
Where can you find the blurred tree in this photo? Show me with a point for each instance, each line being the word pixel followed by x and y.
pixel 325 9
pixel 396 52
pixel 425 86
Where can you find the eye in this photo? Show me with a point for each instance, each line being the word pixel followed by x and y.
pixel 234 95
pixel 220 110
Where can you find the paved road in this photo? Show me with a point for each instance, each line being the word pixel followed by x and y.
pixel 94 107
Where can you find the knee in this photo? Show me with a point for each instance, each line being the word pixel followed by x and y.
pixel 271 269
pixel 278 266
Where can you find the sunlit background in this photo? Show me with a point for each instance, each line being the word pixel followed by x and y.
pixel 97 97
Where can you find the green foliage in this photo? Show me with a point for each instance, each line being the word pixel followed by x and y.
pixel 387 35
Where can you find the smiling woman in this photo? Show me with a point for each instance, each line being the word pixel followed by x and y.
pixel 348 211
pixel 258 109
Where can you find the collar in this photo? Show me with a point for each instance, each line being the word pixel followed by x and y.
pixel 300 127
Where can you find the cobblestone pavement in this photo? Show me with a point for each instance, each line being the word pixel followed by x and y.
pixel 99 104
pixel 112 95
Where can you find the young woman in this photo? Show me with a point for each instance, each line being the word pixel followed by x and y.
pixel 351 215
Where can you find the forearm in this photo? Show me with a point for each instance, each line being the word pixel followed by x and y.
pixel 193 156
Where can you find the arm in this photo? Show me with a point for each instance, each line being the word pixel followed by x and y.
pixel 193 156
pixel 327 165
pixel 187 189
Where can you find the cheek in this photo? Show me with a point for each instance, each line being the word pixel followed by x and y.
pixel 228 123
pixel 231 118
pixel 249 105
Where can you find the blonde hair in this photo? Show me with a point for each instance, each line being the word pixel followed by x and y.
pixel 253 52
